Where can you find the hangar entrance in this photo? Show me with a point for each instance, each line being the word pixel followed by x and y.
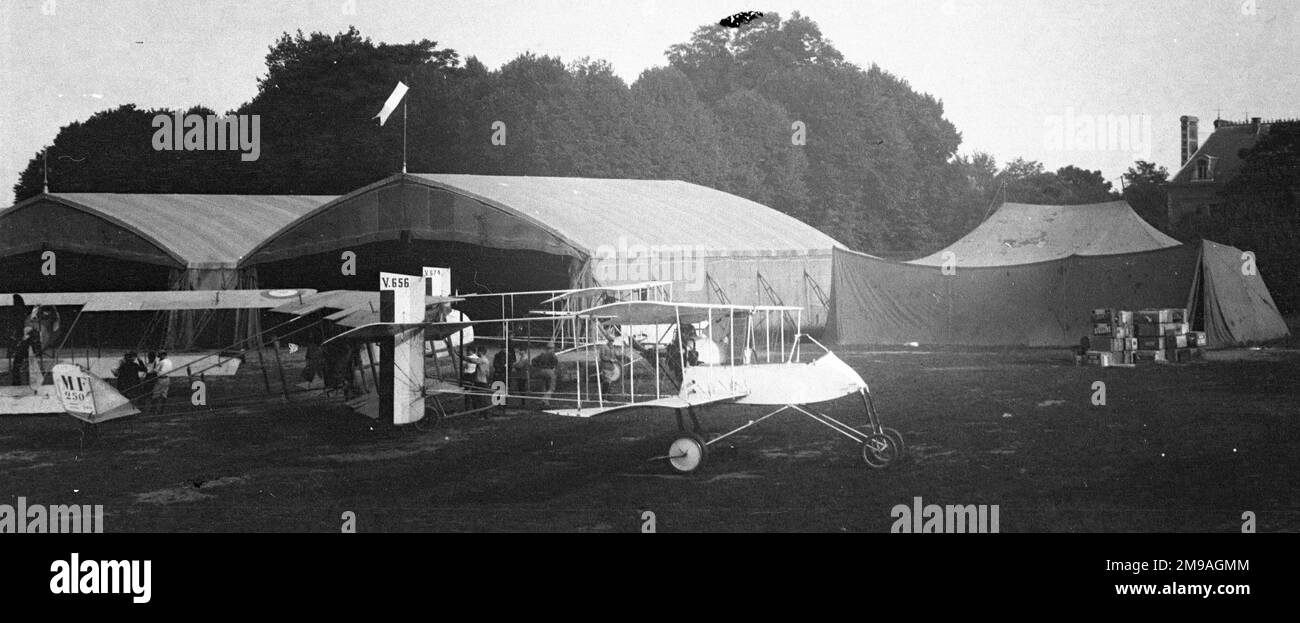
pixel 79 272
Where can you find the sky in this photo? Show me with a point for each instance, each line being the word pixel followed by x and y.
pixel 1018 78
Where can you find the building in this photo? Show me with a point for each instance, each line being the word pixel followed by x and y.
pixel 496 234
pixel 522 233
pixel 1206 168
pixel 140 242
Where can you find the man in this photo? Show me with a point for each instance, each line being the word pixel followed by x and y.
pixel 507 364
pixel 163 381
pixel 543 366
pixel 128 372
pixel 23 351
pixel 610 363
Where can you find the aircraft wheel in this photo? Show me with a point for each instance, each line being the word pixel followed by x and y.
pixel 897 439
pixel 686 454
pixel 879 451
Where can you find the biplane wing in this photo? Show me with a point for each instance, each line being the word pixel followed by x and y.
pixel 626 287
pixel 667 402
pixel 666 312
pixel 163 300
pixel 376 330
pixel 349 308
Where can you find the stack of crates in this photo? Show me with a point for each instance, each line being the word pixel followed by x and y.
pixel 1166 336
pixel 1112 341
pixel 1126 337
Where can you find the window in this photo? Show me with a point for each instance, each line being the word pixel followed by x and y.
pixel 1204 169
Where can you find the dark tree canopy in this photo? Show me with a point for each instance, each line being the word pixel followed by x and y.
pixel 769 111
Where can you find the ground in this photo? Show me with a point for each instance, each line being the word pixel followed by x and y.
pixel 1175 448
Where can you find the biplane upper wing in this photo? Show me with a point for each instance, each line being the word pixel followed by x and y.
pixel 666 312
pixel 162 300
pixel 625 287
pixel 349 308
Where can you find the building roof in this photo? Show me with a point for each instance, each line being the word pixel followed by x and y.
pixel 196 231
pixel 560 215
pixel 1224 145
pixel 1021 233
pixel 591 211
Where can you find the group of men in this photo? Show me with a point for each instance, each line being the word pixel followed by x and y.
pixel 479 372
pixel 146 379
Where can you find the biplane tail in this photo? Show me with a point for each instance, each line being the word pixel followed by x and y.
pixel 88 397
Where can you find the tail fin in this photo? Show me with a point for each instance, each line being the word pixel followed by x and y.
pixel 88 397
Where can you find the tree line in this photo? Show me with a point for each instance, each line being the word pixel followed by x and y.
pixel 769 111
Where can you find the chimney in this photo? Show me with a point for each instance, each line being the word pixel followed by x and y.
pixel 1189 141
pixel 1254 125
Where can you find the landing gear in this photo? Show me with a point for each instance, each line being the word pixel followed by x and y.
pixel 885 445
pixel 689 451
pixel 686 454
pixel 897 438
pixel 880 450
pixel 881 447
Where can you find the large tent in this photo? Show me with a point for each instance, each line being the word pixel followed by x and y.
pixel 137 241
pixel 1030 275
pixel 503 233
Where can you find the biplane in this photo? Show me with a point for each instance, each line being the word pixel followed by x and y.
pixel 596 351
pixel 590 361
pixel 305 314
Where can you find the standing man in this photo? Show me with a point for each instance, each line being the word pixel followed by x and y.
pixel 23 352
pixel 128 372
pixel 544 365
pixel 610 364
pixel 163 381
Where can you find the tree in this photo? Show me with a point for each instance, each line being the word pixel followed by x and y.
pixel 317 133
pixel 317 104
pixel 874 148
pixel 1144 189
pixel 1028 182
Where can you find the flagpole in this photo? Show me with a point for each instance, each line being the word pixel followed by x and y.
pixel 403 135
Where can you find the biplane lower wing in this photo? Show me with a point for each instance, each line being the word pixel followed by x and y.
pixel 669 402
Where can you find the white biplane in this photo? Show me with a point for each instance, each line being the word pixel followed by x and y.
pixel 596 351
pixel 630 354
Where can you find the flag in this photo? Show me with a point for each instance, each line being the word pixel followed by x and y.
pixel 391 104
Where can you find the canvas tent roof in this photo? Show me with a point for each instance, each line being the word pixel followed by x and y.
pixel 561 215
pixel 587 211
pixel 193 231
pixel 1048 303
pixel 1021 233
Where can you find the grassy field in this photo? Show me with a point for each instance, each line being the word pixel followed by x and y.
pixel 1175 448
